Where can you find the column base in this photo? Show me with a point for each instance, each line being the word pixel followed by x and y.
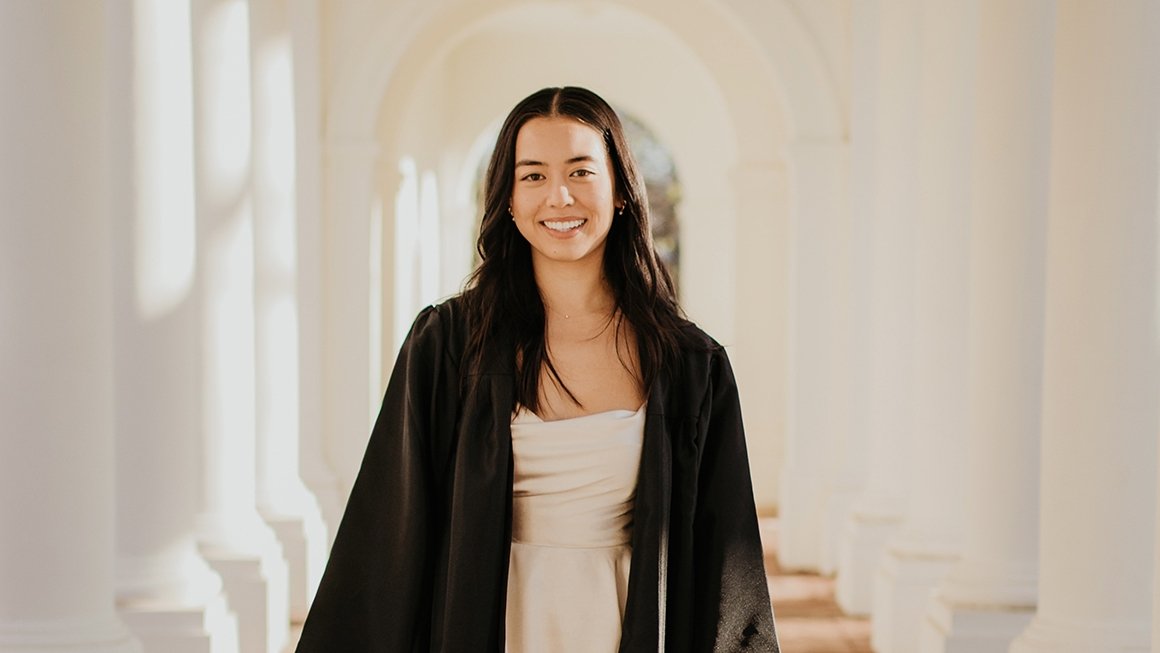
pixel 59 636
pixel 209 628
pixel 323 485
pixel 953 627
pixel 179 577
pixel 865 539
pixel 1046 635
pixel 244 551
pixel 256 587
pixel 902 592
pixel 835 522
pixel 174 603
pixel 304 545
pixel 801 528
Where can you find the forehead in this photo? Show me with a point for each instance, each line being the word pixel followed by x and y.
pixel 558 139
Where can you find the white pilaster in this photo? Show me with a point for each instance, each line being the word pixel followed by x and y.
pixel 815 474
pixel 283 500
pixel 888 383
pixel 166 592
pixel 238 543
pixel 1101 365
pixel 384 331
pixel 929 541
pixel 856 547
pixel 350 402
pixel 315 469
pixel 56 393
pixel 989 596
pixel 761 342
pixel 848 471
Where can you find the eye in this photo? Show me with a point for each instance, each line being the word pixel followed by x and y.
pixel 532 176
pixel 583 173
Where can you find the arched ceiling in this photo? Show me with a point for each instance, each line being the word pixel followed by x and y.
pixel 738 46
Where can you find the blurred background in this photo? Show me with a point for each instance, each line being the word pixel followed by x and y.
pixel 927 232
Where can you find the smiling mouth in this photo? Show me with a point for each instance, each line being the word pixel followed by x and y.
pixel 564 225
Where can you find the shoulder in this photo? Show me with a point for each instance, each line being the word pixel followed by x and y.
pixel 703 366
pixel 442 325
pixel 697 345
pixel 694 337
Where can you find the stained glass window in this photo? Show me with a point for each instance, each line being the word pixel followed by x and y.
pixel 663 187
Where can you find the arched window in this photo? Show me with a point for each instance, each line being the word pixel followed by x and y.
pixel 664 191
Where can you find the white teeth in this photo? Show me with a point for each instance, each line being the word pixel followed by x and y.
pixel 563 226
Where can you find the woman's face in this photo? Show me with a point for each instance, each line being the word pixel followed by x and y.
pixel 563 197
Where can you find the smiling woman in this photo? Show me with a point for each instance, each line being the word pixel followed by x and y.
pixel 563 199
pixel 664 191
pixel 560 462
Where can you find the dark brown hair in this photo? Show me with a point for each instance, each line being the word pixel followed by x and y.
pixel 504 302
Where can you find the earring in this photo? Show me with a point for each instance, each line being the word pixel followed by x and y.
pixel 513 215
pixel 620 211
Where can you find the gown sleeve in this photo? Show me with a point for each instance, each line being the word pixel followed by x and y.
pixel 729 570
pixel 375 594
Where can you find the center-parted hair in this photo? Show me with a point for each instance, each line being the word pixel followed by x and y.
pixel 504 303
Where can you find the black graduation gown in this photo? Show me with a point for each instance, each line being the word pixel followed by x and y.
pixel 420 560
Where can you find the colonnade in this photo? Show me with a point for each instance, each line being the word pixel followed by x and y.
pixel 1008 155
pixel 153 498
pixel 975 367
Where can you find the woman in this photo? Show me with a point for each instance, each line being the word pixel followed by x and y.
pixel 559 463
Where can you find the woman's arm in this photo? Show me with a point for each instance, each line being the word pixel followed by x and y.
pixel 375 594
pixel 732 595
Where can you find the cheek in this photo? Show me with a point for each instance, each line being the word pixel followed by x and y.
pixel 522 203
pixel 607 195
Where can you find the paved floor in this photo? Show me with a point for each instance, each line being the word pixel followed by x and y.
pixel 808 619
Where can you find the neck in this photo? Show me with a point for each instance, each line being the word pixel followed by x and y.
pixel 573 289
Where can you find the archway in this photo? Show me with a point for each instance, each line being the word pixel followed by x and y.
pixel 427 84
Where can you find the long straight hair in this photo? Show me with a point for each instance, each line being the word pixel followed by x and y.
pixel 505 305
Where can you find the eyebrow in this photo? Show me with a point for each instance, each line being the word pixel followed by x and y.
pixel 575 159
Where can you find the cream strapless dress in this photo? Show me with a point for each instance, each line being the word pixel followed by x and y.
pixel 572 498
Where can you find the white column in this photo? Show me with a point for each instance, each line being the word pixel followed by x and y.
pixel 889 282
pixel 384 307
pixel 928 543
pixel 846 469
pixel 815 477
pixel 1101 365
pixel 234 538
pixel 283 500
pixel 316 471
pixel 760 340
pixel 350 401
pixel 989 596
pixel 856 541
pixel 396 215
pixel 166 592
pixel 56 392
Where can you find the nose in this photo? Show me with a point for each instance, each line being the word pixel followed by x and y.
pixel 559 196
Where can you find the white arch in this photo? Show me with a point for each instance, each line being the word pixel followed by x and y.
pixel 727 35
pixel 730 116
